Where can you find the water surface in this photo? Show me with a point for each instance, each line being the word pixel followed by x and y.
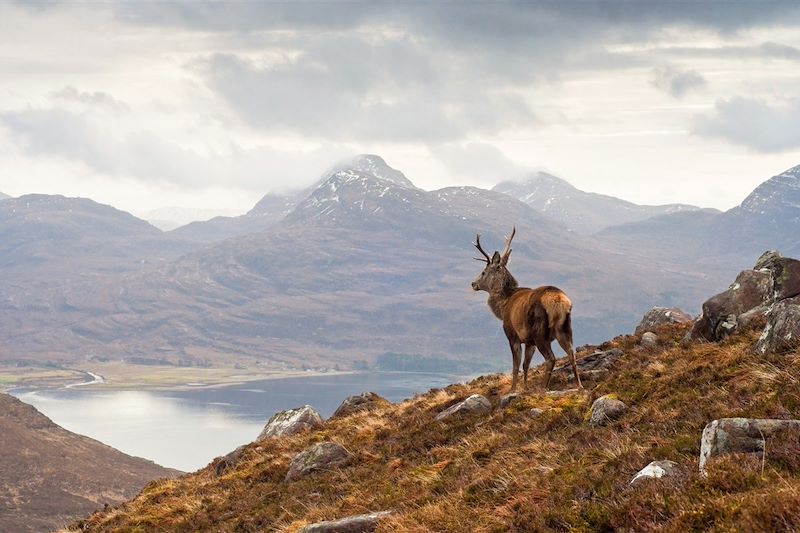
pixel 186 429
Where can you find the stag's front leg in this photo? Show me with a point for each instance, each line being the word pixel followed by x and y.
pixel 529 349
pixel 516 355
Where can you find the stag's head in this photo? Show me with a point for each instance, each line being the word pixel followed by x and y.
pixel 495 276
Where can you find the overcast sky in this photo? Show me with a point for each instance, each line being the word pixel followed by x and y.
pixel 210 105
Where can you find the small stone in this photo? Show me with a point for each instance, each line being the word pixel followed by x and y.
pixel 473 405
pixel 606 409
pixel 656 470
pixel 536 412
pixel 321 456
pixel 508 399
pixel 363 523
pixel 366 401
pixel 597 361
pixel 562 393
pixel 649 339
pixel 290 422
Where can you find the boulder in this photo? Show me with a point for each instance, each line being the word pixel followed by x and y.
pixel 649 339
pixel 752 318
pixel 786 277
pixel 366 401
pixel 597 363
pixel 751 289
pixel 225 463
pixel 657 470
pixel 659 316
pixel 508 399
pixel 291 422
pixel 320 456
pixel 782 333
pixel 363 523
pixel 606 409
pixel 742 435
pixel 475 404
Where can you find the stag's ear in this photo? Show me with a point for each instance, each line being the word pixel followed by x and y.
pixel 496 258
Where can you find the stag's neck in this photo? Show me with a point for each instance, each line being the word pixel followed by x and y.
pixel 499 300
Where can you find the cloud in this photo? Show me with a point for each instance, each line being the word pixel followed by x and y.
pixel 676 82
pixel 96 98
pixel 477 162
pixel 753 123
pixel 147 157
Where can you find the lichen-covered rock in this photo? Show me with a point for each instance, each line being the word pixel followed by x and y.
pixel 606 409
pixel 290 422
pixel 475 404
pixel 744 435
pixel 508 399
pixel 226 462
pixel 363 523
pixel 320 456
pixel 366 401
pixel 751 289
pixel 657 470
pixel 649 339
pixel 659 316
pixel 782 333
pixel 786 277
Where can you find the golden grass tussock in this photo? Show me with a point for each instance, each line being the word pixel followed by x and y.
pixel 512 471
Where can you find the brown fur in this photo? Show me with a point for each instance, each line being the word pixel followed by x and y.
pixel 533 317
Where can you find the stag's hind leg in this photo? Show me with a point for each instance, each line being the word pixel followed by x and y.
pixel 529 350
pixel 516 356
pixel 564 337
pixel 549 361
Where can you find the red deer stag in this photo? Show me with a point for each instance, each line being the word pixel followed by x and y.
pixel 534 317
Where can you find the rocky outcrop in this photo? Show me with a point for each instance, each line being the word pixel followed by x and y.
pixel 768 293
pixel 782 332
pixel 226 462
pixel 659 316
pixel 751 289
pixel 475 404
pixel 606 409
pixel 363 523
pixel 290 422
pixel 743 435
pixel 320 456
pixel 366 401
pixel 593 366
pixel 657 470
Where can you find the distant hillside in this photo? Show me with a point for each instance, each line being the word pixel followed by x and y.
pixel 65 236
pixel 51 476
pixel 4 196
pixel 536 464
pixel 169 218
pixel 583 212
pixel 769 218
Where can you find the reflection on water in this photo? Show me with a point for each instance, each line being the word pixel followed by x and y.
pixel 187 429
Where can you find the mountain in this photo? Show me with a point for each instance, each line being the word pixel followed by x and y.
pixel 363 266
pixel 768 218
pixel 52 476
pixel 53 234
pixel 536 463
pixel 274 207
pixel 583 212
pixel 170 218
pixel 4 196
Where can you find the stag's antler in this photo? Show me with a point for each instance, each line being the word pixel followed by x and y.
pixel 477 244
pixel 507 251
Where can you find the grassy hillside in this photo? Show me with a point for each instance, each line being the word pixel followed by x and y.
pixel 511 471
